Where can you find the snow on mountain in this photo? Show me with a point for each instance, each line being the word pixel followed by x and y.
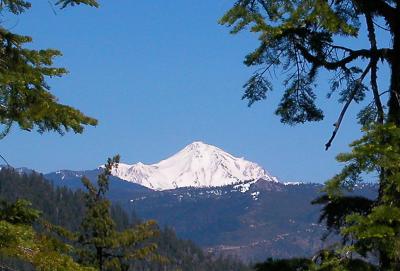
pixel 197 165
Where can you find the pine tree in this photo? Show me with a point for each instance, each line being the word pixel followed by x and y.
pixel 19 239
pixel 25 100
pixel 102 244
pixel 65 208
pixel 300 264
pixel 302 38
pixel 25 97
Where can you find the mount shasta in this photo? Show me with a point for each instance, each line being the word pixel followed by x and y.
pixel 197 165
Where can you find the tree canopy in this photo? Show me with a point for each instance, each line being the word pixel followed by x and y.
pixel 19 239
pixel 302 38
pixel 25 97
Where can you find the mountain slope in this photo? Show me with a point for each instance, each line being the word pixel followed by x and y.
pixel 64 207
pixel 119 189
pixel 197 165
pixel 252 220
pixel 267 219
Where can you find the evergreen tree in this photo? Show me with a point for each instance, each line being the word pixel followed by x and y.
pixel 302 38
pixel 25 100
pixel 284 265
pixel 102 244
pixel 25 97
pixel 372 231
pixel 62 207
pixel 19 239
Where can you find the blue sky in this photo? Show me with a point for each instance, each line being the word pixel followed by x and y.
pixel 159 75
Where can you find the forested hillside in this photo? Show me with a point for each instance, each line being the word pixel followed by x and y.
pixel 64 207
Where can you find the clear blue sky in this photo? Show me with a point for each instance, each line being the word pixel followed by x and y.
pixel 159 75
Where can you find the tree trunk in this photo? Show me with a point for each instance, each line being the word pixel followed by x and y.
pixel 394 100
pixel 387 262
pixel 100 257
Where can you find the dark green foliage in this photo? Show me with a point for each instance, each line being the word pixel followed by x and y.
pixel 20 242
pixel 329 260
pixel 256 89
pixel 186 256
pixel 64 207
pixel 58 205
pixel 299 39
pixel 284 265
pixel 25 100
pixel 336 210
pixel 65 3
pixel 102 245
pixel 15 6
pixel 370 228
pixel 121 218
pixel 18 212
pixel 360 265
pixel 298 106
pixel 24 93
pixel 325 260
pixel 297 36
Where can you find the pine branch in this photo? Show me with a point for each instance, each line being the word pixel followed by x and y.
pixel 353 55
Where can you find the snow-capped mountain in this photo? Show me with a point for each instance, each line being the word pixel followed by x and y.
pixel 197 165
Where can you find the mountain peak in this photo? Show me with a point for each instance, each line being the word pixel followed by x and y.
pixel 199 146
pixel 197 165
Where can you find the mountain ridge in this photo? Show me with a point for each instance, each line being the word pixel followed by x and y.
pixel 196 165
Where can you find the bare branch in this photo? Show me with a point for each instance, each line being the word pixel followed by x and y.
pixel 381 27
pixel 343 112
